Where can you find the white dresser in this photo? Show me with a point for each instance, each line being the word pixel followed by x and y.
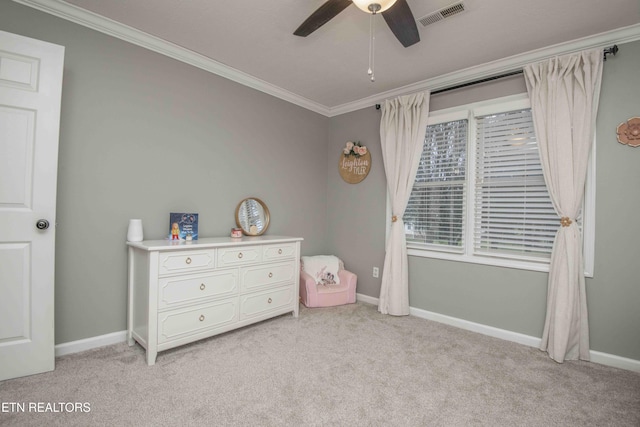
pixel 186 291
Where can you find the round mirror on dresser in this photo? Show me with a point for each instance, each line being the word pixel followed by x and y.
pixel 252 216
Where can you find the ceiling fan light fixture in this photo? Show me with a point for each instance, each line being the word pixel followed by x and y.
pixel 373 6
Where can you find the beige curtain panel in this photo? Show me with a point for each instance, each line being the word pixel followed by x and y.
pixel 402 131
pixel 564 93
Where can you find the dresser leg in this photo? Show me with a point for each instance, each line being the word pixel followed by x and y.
pixel 151 357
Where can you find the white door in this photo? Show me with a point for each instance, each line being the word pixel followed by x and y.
pixel 30 91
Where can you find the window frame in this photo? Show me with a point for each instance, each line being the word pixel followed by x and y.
pixel 470 112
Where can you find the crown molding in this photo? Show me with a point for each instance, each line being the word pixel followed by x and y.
pixel 115 29
pixel 129 34
pixel 501 66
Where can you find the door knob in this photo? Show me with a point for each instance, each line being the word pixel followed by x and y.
pixel 42 224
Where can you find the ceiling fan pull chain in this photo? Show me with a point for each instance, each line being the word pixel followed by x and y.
pixel 372 47
pixel 370 71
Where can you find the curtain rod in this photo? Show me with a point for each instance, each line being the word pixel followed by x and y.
pixel 607 51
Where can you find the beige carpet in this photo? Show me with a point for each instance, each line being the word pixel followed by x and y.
pixel 342 366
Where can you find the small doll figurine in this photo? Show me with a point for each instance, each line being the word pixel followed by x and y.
pixel 175 231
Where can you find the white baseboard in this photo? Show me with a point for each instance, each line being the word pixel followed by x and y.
pixel 596 356
pixel 615 361
pixel 90 343
pixel 477 327
pixel 367 299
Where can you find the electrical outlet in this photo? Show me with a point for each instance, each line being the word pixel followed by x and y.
pixel 376 272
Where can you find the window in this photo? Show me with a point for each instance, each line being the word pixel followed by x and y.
pixel 479 194
pixel 514 214
pixel 435 213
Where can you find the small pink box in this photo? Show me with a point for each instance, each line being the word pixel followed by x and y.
pixel 236 232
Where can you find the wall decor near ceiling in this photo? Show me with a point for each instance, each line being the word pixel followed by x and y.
pixel 355 162
pixel 629 132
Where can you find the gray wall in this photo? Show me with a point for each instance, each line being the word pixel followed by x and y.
pixel 613 295
pixel 143 135
pixel 509 299
pixel 356 212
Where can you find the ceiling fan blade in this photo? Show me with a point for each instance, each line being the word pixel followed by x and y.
pixel 401 21
pixel 324 14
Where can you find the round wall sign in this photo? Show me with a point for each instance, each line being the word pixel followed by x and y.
pixel 354 163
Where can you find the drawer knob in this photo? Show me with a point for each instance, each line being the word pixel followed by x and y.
pixel 279 251
pixel 270 275
pixel 188 260
pixel 202 317
pixel 202 286
pixel 269 300
pixel 240 255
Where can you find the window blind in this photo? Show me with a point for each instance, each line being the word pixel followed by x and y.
pixel 436 208
pixel 514 214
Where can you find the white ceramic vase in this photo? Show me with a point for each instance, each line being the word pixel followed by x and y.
pixel 134 233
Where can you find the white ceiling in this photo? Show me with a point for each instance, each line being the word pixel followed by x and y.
pixel 329 66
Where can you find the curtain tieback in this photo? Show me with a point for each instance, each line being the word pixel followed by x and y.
pixel 565 221
pixel 394 218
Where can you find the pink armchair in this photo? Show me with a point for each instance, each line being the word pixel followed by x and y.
pixel 319 295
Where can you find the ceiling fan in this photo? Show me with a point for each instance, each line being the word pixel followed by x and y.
pixel 396 13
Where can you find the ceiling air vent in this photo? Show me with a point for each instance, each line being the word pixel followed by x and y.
pixel 441 14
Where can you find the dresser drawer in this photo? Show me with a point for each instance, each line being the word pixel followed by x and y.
pixel 257 304
pixel 238 256
pixel 185 261
pixel 260 276
pixel 173 291
pixel 275 252
pixel 189 321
